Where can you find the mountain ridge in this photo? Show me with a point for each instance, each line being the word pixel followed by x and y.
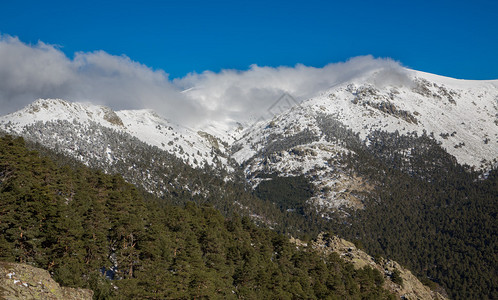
pixel 374 102
pixel 302 138
pixel 143 124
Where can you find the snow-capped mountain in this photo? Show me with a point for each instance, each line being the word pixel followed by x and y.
pixel 462 115
pixel 194 148
pixel 307 139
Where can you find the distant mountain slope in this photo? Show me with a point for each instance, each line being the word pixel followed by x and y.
pixel 462 115
pixel 194 148
pixel 309 139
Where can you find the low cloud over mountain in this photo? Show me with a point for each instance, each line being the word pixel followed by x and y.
pixel 28 72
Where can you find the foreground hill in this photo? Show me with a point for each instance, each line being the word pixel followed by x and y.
pixel 96 231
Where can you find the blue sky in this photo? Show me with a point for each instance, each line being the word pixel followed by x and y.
pixel 451 38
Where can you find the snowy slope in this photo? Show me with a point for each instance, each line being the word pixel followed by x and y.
pixel 462 114
pixel 195 148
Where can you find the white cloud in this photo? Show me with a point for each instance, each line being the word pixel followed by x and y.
pixel 28 72
pixel 241 95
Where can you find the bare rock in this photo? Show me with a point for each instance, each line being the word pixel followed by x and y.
pixel 21 281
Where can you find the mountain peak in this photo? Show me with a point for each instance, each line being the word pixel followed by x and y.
pixel 59 109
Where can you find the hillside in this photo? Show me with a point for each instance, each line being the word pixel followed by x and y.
pixel 403 164
pixel 95 231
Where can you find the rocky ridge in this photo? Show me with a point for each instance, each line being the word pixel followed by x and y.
pixel 406 286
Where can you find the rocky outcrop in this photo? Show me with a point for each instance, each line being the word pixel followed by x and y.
pixel 21 281
pixel 397 279
pixel 111 117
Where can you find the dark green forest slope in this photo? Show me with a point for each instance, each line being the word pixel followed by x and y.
pixel 164 175
pixel 429 213
pixel 80 224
